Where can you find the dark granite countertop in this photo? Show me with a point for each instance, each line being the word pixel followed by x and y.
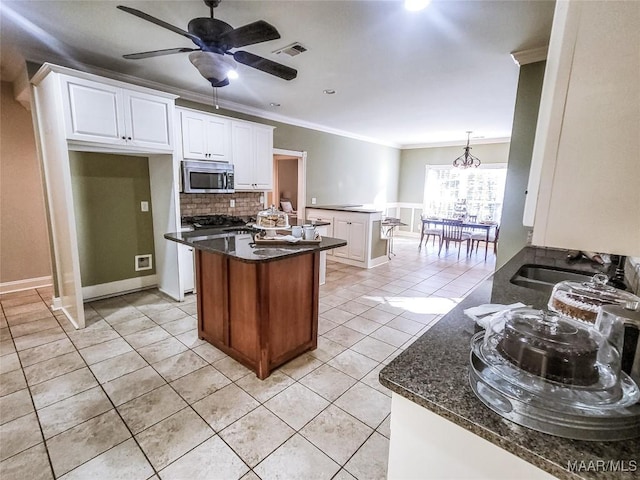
pixel 346 208
pixel 241 246
pixel 433 372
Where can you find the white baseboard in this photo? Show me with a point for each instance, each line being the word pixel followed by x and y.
pixel 94 292
pixel 26 284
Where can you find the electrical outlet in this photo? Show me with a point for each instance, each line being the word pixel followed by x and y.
pixel 144 206
pixel 261 198
pixel 313 200
pixel 232 203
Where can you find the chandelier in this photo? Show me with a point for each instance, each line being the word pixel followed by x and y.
pixel 466 160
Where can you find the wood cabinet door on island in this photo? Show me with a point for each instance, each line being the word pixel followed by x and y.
pixel 261 314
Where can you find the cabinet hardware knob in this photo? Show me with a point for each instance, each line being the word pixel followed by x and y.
pixel 128 138
pixel 124 138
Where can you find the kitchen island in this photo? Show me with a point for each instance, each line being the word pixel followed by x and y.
pixel 440 429
pixel 256 303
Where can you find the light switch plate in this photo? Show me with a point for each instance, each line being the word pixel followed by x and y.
pixel 313 200
pixel 144 206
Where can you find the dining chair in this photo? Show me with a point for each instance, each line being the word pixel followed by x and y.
pixel 453 231
pixel 428 230
pixel 476 238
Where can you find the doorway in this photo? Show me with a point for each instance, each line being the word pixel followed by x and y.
pixel 289 179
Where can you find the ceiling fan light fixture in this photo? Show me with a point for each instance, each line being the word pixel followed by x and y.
pixel 416 5
pixel 213 66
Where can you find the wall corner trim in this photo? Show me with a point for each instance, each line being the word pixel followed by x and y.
pixel 524 57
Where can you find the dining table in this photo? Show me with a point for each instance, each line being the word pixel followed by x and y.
pixel 486 226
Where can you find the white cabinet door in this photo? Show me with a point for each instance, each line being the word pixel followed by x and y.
pixel 341 230
pixel 583 185
pixel 243 155
pixel 217 135
pixel 205 137
pixel 147 120
pixel 186 269
pixel 353 230
pixel 357 240
pixel 263 138
pixel 194 138
pixel 110 115
pixel 93 111
pixel 252 152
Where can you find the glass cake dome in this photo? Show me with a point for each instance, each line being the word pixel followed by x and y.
pixel 555 375
pixel 582 300
pixel 272 218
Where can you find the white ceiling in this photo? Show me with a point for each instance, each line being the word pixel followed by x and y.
pixel 401 78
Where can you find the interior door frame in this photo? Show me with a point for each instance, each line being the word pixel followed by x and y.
pixel 302 178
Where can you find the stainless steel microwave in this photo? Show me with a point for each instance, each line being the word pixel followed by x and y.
pixel 207 177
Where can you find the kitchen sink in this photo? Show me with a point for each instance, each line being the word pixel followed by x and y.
pixel 543 278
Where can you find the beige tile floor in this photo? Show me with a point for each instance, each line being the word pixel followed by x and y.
pixel 137 395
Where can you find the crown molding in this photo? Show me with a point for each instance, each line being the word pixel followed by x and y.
pixel 458 143
pixel 256 112
pixel 524 57
pixel 40 57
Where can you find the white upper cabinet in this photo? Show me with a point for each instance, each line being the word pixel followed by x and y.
pixel 252 147
pixel 584 184
pixel 205 137
pixel 107 114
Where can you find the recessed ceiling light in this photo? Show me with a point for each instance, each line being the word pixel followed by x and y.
pixel 416 5
pixel 329 91
pixel 274 104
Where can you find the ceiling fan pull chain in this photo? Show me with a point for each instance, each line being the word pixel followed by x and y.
pixel 215 98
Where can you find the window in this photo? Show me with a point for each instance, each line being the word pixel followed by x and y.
pixel 481 188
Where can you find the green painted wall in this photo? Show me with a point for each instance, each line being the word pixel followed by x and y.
pixel 513 235
pixel 107 191
pixel 413 165
pixel 340 170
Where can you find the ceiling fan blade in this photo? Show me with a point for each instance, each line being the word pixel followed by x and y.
pixel 161 23
pixel 157 53
pixel 265 65
pixel 249 34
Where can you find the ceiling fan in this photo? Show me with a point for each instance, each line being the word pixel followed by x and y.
pixel 214 39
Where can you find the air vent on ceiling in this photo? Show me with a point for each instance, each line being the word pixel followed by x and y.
pixel 291 50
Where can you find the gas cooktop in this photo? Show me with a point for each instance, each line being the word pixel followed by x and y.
pixel 215 221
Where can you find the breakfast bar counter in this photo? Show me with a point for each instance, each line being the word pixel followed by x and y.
pixel 257 303
pixel 432 376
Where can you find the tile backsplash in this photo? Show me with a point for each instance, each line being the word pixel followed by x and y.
pixel 246 203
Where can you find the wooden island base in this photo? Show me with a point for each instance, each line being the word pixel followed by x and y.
pixel 261 314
